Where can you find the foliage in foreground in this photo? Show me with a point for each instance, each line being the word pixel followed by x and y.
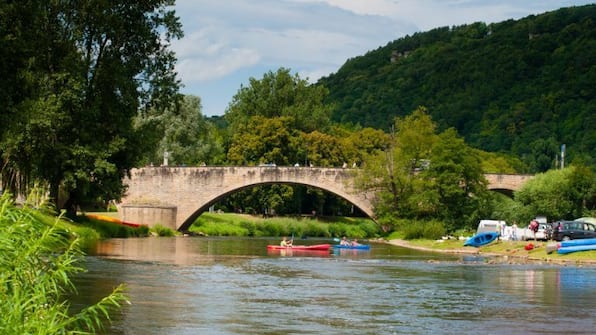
pixel 244 225
pixel 36 263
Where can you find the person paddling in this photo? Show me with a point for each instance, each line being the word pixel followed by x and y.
pixel 285 242
pixel 344 241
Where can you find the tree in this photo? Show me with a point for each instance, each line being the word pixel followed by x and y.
pixel 92 67
pixel 183 132
pixel 455 180
pixel 543 154
pixel 425 176
pixel 502 86
pixel 559 194
pixel 264 140
pixel 393 172
pixel 325 150
pixel 280 94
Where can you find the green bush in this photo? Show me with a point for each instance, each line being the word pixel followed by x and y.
pixel 37 260
pixel 242 225
pixel 433 230
pixel 162 230
pixel 423 230
pixel 221 229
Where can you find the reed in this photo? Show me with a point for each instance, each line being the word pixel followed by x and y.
pixel 37 260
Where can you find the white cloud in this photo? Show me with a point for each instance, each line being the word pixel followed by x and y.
pixel 237 34
pixel 368 7
pixel 193 69
pixel 201 58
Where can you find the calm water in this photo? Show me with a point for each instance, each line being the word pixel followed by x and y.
pixel 234 286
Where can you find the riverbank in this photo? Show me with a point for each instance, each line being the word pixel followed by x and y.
pixel 514 252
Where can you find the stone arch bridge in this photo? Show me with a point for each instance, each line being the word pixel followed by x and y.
pixel 176 196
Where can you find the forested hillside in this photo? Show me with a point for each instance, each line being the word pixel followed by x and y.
pixel 521 86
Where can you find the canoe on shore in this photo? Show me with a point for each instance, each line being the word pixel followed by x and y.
pixel 576 248
pixel 112 219
pixel 585 241
pixel 353 247
pixel 481 239
pixel 572 246
pixel 315 247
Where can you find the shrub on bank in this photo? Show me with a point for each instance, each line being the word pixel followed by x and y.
pixel 37 259
pixel 160 230
pixel 242 225
pixel 431 230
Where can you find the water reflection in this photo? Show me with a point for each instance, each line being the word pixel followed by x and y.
pixel 233 286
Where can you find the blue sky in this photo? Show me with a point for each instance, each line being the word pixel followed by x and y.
pixel 227 42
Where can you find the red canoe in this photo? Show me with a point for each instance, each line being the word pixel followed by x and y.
pixel 112 219
pixel 315 247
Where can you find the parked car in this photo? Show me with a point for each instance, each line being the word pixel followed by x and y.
pixel 571 230
pixel 543 233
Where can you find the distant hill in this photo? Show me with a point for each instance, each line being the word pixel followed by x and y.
pixel 520 86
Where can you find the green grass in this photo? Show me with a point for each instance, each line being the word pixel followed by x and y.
pixel 110 229
pixel 505 248
pixel 227 224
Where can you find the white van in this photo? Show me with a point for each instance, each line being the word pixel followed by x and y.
pixel 490 226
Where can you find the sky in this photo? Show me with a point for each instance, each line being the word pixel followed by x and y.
pixel 227 42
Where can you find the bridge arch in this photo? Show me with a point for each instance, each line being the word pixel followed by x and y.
pixel 209 202
pixel 193 189
pixel 506 183
pixel 189 191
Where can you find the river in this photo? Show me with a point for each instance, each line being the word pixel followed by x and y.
pixel 192 285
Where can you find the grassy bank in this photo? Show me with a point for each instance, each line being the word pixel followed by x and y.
pixel 514 250
pixel 228 224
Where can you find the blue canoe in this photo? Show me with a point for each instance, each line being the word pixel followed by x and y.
pixel 481 239
pixel 352 247
pixel 571 243
pixel 575 248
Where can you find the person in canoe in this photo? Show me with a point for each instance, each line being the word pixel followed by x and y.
pixel 285 242
pixel 344 241
pixel 355 243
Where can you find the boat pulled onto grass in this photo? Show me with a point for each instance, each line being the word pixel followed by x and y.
pixel 481 239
